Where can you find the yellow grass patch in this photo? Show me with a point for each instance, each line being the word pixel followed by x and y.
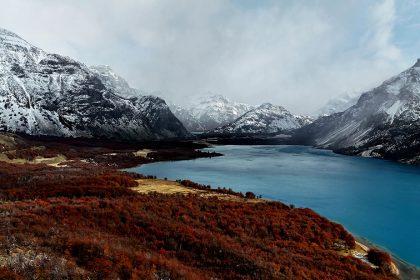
pixel 53 161
pixel 172 187
pixel 163 186
pixel 142 153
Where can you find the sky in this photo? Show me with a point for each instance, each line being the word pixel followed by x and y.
pixel 297 54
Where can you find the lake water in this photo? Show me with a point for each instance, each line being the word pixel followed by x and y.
pixel 375 199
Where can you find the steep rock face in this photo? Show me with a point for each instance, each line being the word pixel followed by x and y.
pixel 383 123
pixel 210 113
pixel 265 119
pixel 49 94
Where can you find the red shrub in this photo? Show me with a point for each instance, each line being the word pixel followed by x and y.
pixel 379 258
pixel 6 274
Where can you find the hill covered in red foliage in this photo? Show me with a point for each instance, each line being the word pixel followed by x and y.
pixel 82 220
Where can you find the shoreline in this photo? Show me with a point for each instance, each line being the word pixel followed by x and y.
pixel 406 270
pixel 361 252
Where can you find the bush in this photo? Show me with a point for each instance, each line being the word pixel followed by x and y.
pixel 379 258
pixel 250 195
pixel 8 275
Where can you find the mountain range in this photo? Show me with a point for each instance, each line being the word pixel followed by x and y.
pixel 50 94
pixel 209 113
pixel 266 119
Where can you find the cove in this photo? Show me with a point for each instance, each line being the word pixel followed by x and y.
pixel 375 199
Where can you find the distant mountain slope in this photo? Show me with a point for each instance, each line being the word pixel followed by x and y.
pixel 190 121
pixel 338 104
pixel 209 113
pixel 265 119
pixel 49 94
pixel 385 122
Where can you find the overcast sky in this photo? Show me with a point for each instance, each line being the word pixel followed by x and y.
pixel 297 54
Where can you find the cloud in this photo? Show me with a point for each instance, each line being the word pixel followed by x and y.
pixel 384 17
pixel 293 53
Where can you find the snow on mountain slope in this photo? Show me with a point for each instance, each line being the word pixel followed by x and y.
pixel 49 94
pixel 385 122
pixel 209 113
pixel 265 119
pixel 190 121
pixel 112 81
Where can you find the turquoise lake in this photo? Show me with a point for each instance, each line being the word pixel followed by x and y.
pixel 375 199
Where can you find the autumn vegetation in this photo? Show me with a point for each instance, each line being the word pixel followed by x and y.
pixel 84 221
pixel 379 258
pixel 106 153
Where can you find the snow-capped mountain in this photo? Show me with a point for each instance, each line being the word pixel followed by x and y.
pixel 49 94
pixel 115 82
pixel 338 104
pixel 385 122
pixel 209 113
pixel 265 119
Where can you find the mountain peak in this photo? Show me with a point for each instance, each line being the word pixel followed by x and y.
pixel 9 39
pixel 113 81
pixel 266 105
pixel 102 68
pixel 5 32
pixel 265 119
pixel 417 63
pixel 210 112
pixel 270 106
pixel 217 98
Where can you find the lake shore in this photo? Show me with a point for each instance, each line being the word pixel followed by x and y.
pixel 406 270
